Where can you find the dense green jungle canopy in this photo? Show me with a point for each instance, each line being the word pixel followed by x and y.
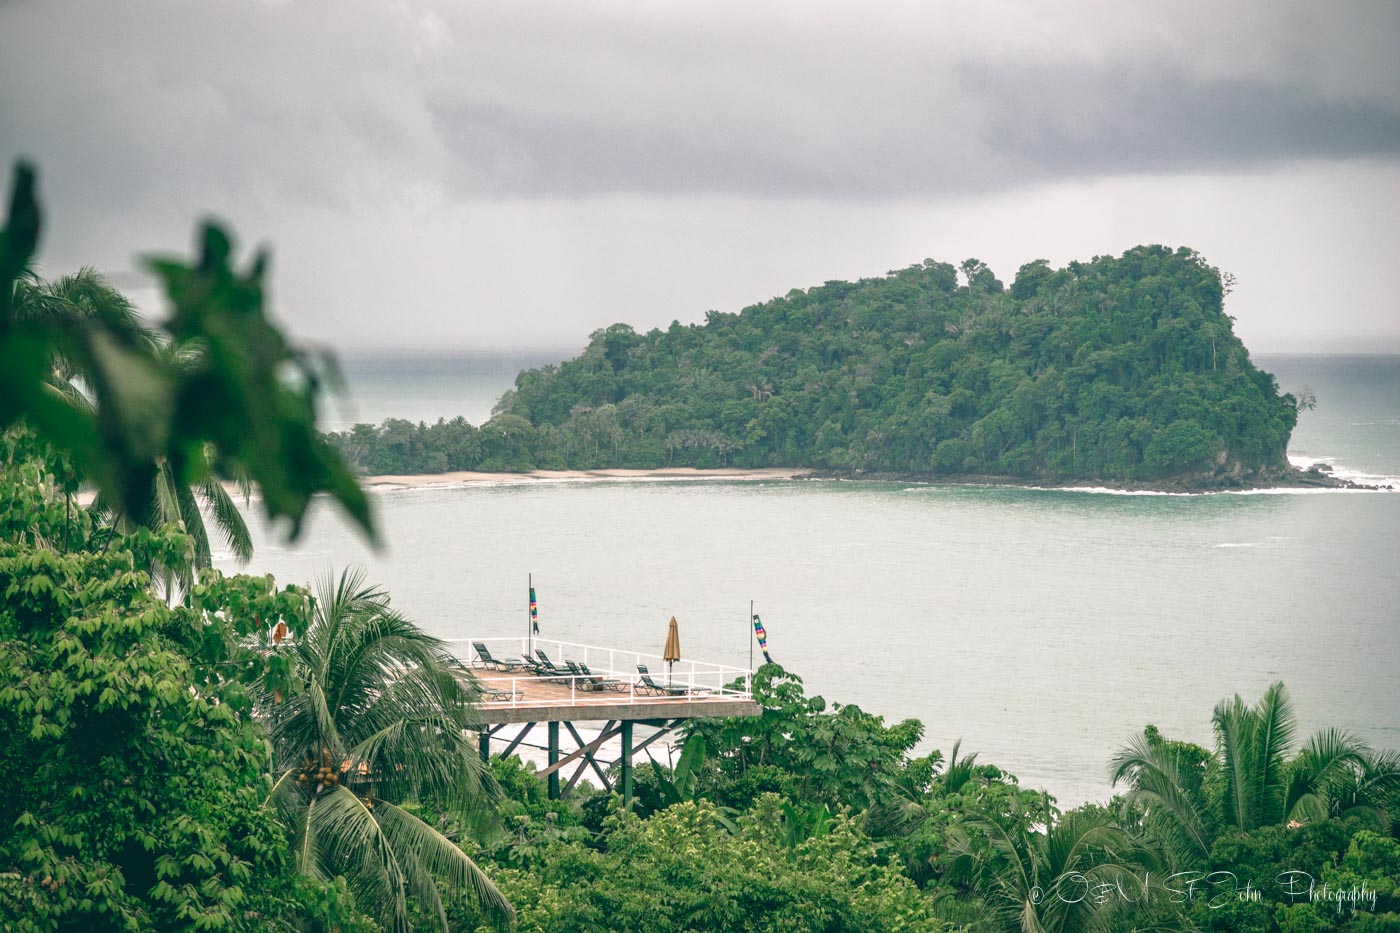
pixel 1121 369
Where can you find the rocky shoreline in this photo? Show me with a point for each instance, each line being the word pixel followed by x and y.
pixel 1318 476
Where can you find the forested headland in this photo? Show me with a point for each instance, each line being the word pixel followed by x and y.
pixel 1121 370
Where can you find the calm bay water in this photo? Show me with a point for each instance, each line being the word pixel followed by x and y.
pixel 1041 626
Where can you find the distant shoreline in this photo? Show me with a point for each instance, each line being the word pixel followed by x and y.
pixel 475 478
pixel 1292 479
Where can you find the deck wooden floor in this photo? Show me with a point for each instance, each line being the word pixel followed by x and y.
pixel 522 697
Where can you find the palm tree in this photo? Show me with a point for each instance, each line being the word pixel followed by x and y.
pixel 1049 873
pixel 1187 795
pixel 70 301
pixel 1336 774
pixel 77 300
pixel 959 771
pixel 185 505
pixel 379 721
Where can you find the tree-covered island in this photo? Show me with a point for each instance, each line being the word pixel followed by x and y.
pixel 1121 370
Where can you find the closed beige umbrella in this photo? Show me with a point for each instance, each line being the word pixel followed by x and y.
pixel 672 652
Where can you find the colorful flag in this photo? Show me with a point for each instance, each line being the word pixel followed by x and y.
pixel 762 638
pixel 534 613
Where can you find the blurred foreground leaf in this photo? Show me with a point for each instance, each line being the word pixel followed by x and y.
pixel 240 403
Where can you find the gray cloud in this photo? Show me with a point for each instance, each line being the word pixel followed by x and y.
pixel 524 100
pixel 1159 121
pixel 516 154
pixel 661 159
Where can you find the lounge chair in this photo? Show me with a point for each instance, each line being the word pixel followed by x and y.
pixel 608 683
pixel 485 659
pixel 580 679
pixel 587 680
pixel 538 669
pixel 548 669
pixel 658 690
pixel 492 695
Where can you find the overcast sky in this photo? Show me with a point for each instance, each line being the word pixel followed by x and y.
pixel 489 175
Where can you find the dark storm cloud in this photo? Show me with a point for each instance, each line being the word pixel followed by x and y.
pixel 1166 121
pixel 307 101
pixel 1158 122
pixel 658 159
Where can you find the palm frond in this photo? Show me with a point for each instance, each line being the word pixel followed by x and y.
pixel 958 772
pixel 1272 727
pixel 227 519
pixel 193 521
pixel 1158 784
pixel 1326 764
pixel 347 839
pixel 440 857
pixel 1231 721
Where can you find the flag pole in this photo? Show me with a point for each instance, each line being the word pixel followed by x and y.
pixel 529 617
pixel 748 630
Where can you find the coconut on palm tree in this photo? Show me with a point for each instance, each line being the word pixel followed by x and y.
pixel 379 721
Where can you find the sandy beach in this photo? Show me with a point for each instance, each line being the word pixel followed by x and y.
pixel 470 478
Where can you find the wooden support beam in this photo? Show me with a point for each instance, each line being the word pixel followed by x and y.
pixel 587 750
pixel 593 746
pixel 627 763
pixel 520 737
pixel 578 773
pixel 553 760
pixel 483 744
pixel 666 730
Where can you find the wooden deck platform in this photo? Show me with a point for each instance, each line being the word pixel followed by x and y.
pixel 527 698
pixel 516 700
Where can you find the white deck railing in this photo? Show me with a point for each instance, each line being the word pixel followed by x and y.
pixel 693 680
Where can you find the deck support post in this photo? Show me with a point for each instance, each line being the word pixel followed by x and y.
pixel 627 762
pixel 483 744
pixel 554 760
pixel 519 737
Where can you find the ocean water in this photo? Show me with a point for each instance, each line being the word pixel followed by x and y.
pixel 1355 427
pixel 426 386
pixel 1042 627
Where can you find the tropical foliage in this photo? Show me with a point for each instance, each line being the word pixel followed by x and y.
pixel 377 718
pixel 1039 871
pixel 723 840
pixel 1117 369
pixel 677 871
pixel 72 302
pixel 1188 797
pixel 239 756
pixel 241 404
pixel 137 775
pixel 136 771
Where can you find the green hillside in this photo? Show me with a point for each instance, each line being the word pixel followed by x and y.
pixel 1118 369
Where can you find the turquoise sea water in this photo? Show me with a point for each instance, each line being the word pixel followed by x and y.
pixel 1040 626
